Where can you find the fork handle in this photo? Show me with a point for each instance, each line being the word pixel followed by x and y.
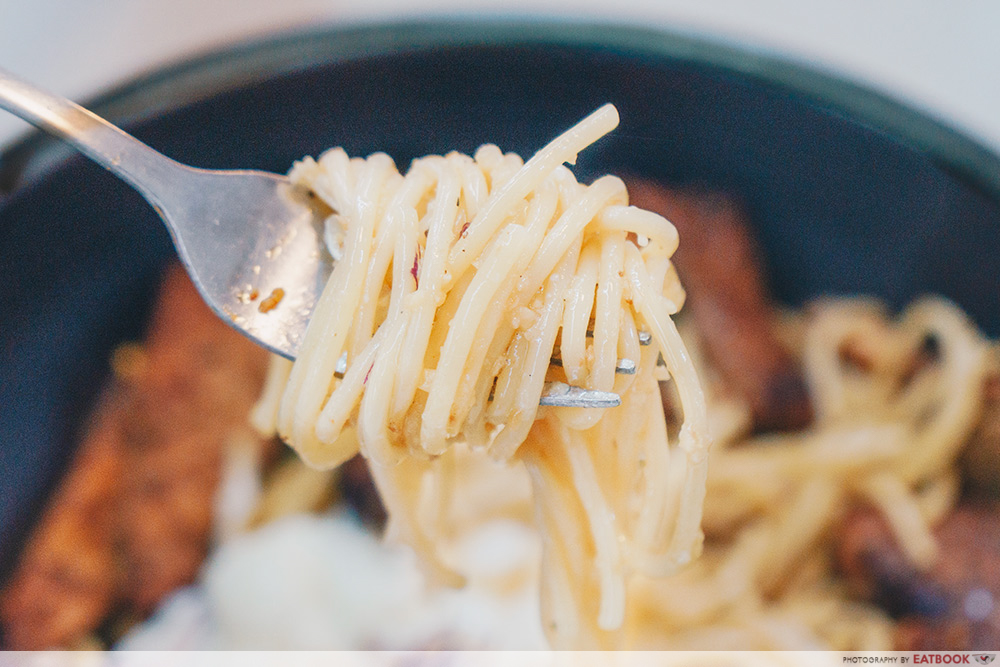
pixel 143 168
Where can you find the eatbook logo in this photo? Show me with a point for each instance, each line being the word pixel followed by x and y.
pixel 984 658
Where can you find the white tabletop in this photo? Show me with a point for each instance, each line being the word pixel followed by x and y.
pixel 939 56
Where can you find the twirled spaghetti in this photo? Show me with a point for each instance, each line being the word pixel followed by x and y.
pixel 455 285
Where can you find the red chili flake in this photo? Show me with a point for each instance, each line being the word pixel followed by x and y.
pixel 465 229
pixel 365 381
pixel 415 270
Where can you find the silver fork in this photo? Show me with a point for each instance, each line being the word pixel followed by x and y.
pixel 248 239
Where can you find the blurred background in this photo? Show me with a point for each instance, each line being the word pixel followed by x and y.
pixel 942 57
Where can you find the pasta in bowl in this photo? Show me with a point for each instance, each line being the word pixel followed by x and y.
pixel 717 149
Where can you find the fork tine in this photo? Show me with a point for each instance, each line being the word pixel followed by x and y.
pixel 645 338
pixel 558 394
pixel 622 367
pixel 563 395
pixel 625 367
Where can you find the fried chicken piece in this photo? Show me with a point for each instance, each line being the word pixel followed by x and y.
pixel 201 379
pixel 721 269
pixel 132 519
pixel 65 580
pixel 953 606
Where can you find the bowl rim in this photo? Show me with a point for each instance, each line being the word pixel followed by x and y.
pixel 201 76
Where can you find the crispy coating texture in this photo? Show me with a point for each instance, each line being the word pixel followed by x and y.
pixel 201 379
pixel 132 519
pixel 722 271
pixel 66 578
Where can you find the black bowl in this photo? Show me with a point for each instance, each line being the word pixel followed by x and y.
pixel 849 191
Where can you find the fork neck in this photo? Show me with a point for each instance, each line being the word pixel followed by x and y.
pixel 147 170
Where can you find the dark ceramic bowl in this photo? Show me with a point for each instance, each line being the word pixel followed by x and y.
pixel 850 192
